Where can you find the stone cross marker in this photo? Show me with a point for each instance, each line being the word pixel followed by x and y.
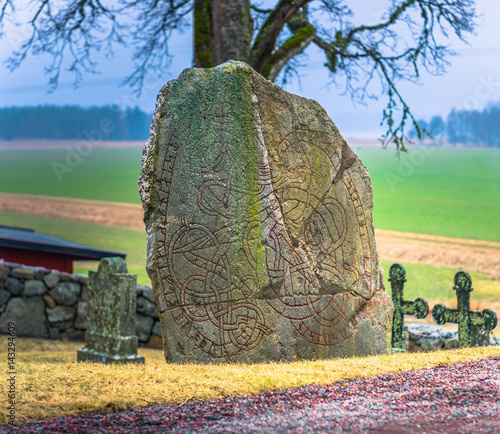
pixel 419 307
pixel 474 326
pixel 112 313
pixel 259 222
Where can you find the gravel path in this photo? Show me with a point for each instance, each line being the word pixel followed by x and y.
pixel 460 398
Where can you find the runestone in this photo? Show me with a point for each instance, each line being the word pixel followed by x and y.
pixel 259 223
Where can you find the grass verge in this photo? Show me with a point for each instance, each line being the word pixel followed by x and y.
pixel 50 383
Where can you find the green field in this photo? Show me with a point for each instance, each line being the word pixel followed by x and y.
pixel 444 191
pixel 107 174
pixel 453 192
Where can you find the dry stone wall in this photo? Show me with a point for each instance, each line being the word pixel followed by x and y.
pixel 49 304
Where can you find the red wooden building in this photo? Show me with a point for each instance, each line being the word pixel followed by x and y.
pixel 27 247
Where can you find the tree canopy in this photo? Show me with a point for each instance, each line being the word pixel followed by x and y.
pixel 408 36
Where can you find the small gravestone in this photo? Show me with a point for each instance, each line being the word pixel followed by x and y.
pixel 111 337
pixel 259 222
pixel 474 327
pixel 402 307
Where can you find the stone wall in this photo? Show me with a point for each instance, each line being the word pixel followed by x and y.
pixel 50 304
pixel 423 337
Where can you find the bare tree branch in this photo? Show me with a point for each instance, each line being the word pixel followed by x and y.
pixel 158 20
pixel 362 53
pixel 260 10
pixel 265 41
pixel 79 28
pixel 4 12
pixel 303 34
pixel 361 58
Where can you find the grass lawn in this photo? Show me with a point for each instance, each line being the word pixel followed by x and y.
pixel 50 383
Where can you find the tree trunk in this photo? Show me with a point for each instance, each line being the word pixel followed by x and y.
pixel 222 31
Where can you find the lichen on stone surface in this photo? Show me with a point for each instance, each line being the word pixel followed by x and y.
pixel 259 225
pixel 112 313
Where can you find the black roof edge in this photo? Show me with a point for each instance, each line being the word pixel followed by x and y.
pixel 17 228
pixel 90 253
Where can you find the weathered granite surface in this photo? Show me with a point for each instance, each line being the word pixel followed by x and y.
pixel 259 225
pixel 28 315
pixel 66 293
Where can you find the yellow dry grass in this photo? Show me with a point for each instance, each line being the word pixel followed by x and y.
pixel 50 383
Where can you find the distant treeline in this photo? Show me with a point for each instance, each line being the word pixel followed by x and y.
pixel 469 127
pixel 73 122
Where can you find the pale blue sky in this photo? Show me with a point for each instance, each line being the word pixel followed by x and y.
pixel 473 78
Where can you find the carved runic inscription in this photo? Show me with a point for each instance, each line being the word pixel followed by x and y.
pixel 258 214
pixel 254 226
